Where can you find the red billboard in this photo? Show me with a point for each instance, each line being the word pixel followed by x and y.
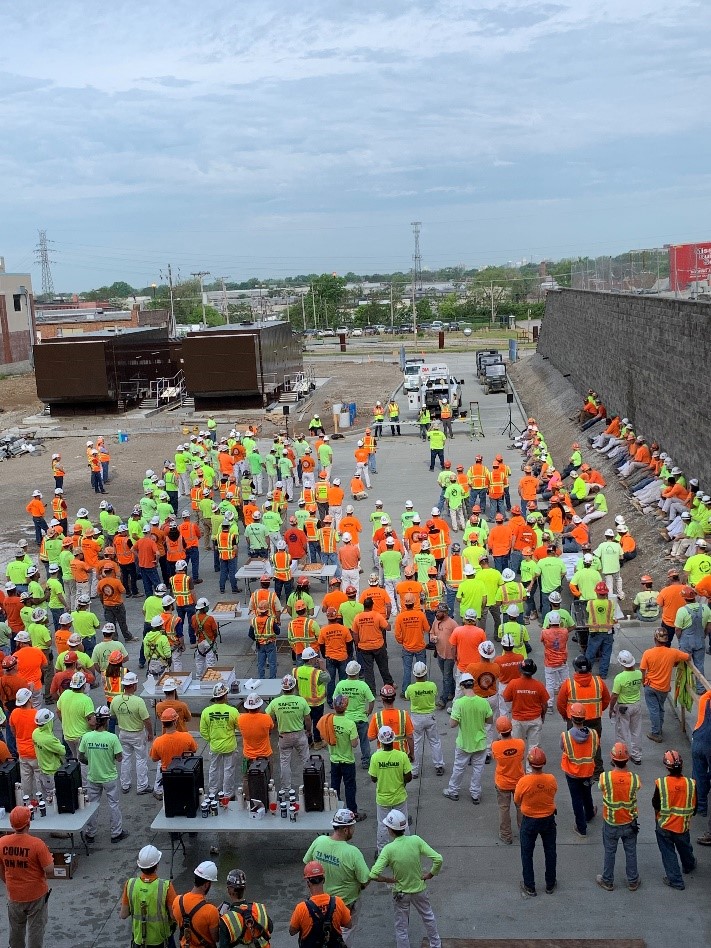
pixel 689 264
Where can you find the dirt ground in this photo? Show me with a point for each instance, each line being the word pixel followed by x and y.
pixel 547 396
pixel 364 383
pixel 18 398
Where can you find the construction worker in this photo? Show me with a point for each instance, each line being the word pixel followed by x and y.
pixel 101 751
pixel 470 713
pixel 197 919
pixel 218 726
pixel 601 624
pixel 590 691
pixel 619 812
pixel 378 418
pixel 170 700
pixel 293 719
pixel 626 705
pixel 674 803
pixel 692 626
pixel 320 919
pixel 422 695
pixel 586 579
pixel 394 417
pixel 302 632
pixel 508 753
pixel 171 743
pixel 346 873
pixel 399 721
pixel 424 420
pixel 554 638
pixel 437 439
pixel 227 554
pixel 528 699
pixel 311 681
pixel 579 745
pixel 657 665
pixel 361 702
pixel 242 922
pixel 403 855
pixel 341 735
pixel 391 771
pixel 135 731
pixel 411 632
pixel 36 509
pixel 204 634
pixel 535 794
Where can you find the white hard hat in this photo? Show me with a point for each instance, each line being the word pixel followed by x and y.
pixel 130 678
pixel 435 511
pixel 346 537
pixel 170 684
pixel 343 817
pixel 513 610
pixel 156 622
pixel 202 603
pixel 625 658
pixel 360 444
pixel 309 653
pixel 507 641
pixel 396 820
pixel 23 696
pixel 220 690
pixel 487 650
pixel 353 668
pixel 419 670
pixel 588 558
pixel 207 871
pixel 22 636
pixel 288 683
pixel 78 680
pixel 181 565
pixel 252 702
pixel 349 508
pixel 386 735
pixel 554 617
pixel 508 575
pixel 43 716
pixel 609 533
pixel 167 601
pixel 148 857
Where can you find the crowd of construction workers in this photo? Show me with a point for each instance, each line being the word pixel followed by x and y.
pixel 497 566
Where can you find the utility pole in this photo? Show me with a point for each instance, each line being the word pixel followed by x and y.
pixel 417 257
pixel 392 308
pixel 42 254
pixel 200 275
pixel 313 303
pixel 491 290
pixel 303 309
pixel 225 311
pixel 168 275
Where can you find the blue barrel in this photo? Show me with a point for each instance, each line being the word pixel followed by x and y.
pixel 513 350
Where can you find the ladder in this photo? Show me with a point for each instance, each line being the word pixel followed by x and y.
pixel 476 429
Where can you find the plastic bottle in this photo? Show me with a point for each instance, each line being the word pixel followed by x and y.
pixel 326 799
pixel 82 798
pixel 18 794
pixel 302 801
pixel 272 794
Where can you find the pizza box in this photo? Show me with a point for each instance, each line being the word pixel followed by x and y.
pixel 65 865
pixel 216 674
pixel 182 680
pixel 224 610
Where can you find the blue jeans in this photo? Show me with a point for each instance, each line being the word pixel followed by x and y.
pixel 450 597
pixel 701 762
pixel 365 751
pixel 446 666
pixel 267 652
pixel 283 589
pixel 655 701
pixel 192 558
pixel 600 646
pixel 347 774
pixel 611 835
pixel 150 578
pixel 479 497
pixel 228 570
pixel 669 845
pixel 89 643
pixel 314 551
pixel 40 528
pixel 371 463
pixel 105 472
pixel 496 505
pixel 545 602
pixel 581 798
pixel 215 558
pixel 334 668
pixel 501 562
pixel 531 828
pixel 515 560
pixel 436 454
pixel 408 660
pixel 97 483
pixel 185 614
pixel 10 739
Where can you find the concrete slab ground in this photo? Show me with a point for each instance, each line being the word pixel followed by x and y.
pixel 477 894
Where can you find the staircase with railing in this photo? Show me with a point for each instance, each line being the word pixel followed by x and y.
pixel 165 393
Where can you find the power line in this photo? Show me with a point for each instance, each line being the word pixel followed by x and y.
pixel 42 256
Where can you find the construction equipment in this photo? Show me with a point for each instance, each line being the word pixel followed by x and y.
pixel 494 379
pixel 476 429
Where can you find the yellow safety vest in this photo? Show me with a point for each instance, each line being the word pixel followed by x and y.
pixel 150 918
pixel 310 688
pixel 180 584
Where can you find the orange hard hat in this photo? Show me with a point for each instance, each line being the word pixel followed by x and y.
pixel 499 518
pixel 116 657
pixel 688 593
pixel 313 869
pixel 671 759
pixel 323 475
pixel 170 714
pixel 19 817
pixel 536 757
pixel 577 710
pixel 619 752
pixel 503 725
pixel 447 464
pixel 646 579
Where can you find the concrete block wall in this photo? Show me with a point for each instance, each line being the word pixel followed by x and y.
pixel 648 358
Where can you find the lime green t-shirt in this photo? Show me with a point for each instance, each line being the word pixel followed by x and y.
pixel 39 635
pixel 218 726
pixel 552 571
pixel 83 660
pixel 359 697
pixel 100 655
pixel 391 560
pixel 289 711
pixel 600 503
pixel 151 608
pixel 473 554
pixel 404 856
pixel 345 867
pixel 130 712
pixel 628 686
pixel 65 558
pixel 49 750
pixel 55 590
pixel 470 595
pixel 471 712
pixel 73 707
pixel 85 623
pixel 349 610
pixel 100 749
pixel 586 579
pixel 346 731
pixel 490 579
pixel 528 569
pixel 422 696
pixel 390 768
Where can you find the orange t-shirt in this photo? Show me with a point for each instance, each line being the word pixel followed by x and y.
pixel 555 519
pixel 658 664
pixel 206 917
pixel 509 665
pixel 79 570
pixel 535 794
pixel 555 646
pixel 509 753
pixel 110 591
pixel 380 598
pixel 703 701
pixel 335 637
pixel 486 676
pixel 405 587
pixel 411 627
pixel 4 752
pixel 30 662
pixel 147 552
pixel 350 525
pixel 467 639
pixel 22 722
pixel 671 600
pixel 703 588
pixel 60 639
pixel 332 600
pixel 499 541
pixel 24 859
pixel 184 713
pixel 167 746
pixel 527 697
pixel 335 495
pixel 349 556
pixel 369 628
pixel 528 488
pixel 301 919
pixel 255 726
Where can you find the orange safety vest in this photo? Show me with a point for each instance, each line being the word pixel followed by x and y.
pixel 597 622
pixel 225 549
pixel 438 544
pixel 590 696
pixel 433 593
pixel 454 570
pixel 328 539
pixel 282 565
pixel 301 633
pixel 322 492
pixel 174 549
pixel 180 584
pixel 59 508
pixel 369 443
pixel 464 483
pixel 311 528
pixel 170 624
pixel 619 796
pixel 124 553
pixel 263 629
pixel 189 533
pixel 478 476
pixel 445 411
pixel 578 760
pixel 264 595
pixel 57 469
pixel 400 742
pixel 497 482
pixel 677 796
pixel 112 686
pixel 195 496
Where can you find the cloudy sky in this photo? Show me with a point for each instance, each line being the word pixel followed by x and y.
pixel 276 138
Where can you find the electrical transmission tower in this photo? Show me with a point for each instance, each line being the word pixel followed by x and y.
pixel 417 256
pixel 42 254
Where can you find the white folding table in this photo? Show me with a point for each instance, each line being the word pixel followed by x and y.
pixel 69 823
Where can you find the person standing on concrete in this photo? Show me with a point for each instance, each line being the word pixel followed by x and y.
pixel 535 795
pixel 198 920
pixel 674 803
pixel 241 922
pixel 609 552
pixel 626 706
pixel 601 625
pixel 135 732
pixel 394 417
pixel 619 812
pixel 25 866
pixel 218 726
pixel 391 771
pixel 422 695
pixel 509 753
pixel 403 856
pixel 320 919
pixel 101 751
pixel 528 699
pixel 293 719
pixel 411 629
pixel 469 715
pixel 590 691
pixel 692 626
pixel 579 745
pixel 437 440
pixel 657 665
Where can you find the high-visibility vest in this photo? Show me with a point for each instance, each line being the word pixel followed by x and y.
pixel 329 540
pixel 201 632
pixel 378 414
pixel 170 624
pixel 505 472
pixel 599 619
pixel 112 685
pixel 57 468
pixel 454 570
pixel 497 482
pixel 174 549
pixel 433 593
pixel 195 496
pixel 369 443
pixel 124 553
pixel 393 409
pixel 95 463
pixel 400 742
pixel 264 595
pixel 590 696
pixel 189 533
pixel 247 924
pixel 677 801
pixel 509 596
pixel 302 632
pixel 225 549
pixel 322 492
pixel 149 912
pixel 180 584
pixel 445 411
pixel 464 483
pixel 478 476
pixel 282 565
pixel 579 759
pixel 438 544
pixel 311 689
pixel 263 627
pixel 59 508
pixel 619 796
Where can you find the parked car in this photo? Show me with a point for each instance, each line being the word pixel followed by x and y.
pixel 357 332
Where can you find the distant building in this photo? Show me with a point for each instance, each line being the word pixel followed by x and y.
pixel 16 319
pixel 52 323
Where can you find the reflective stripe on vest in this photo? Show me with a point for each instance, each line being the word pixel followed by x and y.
pixel 181 589
pixel 454 570
pixel 608 619
pixel 594 700
pixel 247 924
pixel 150 919
pixel 311 528
pixel 224 545
pixel 626 806
pixel 478 476
pixel 507 598
pixel 307 680
pixel 170 624
pixel 497 482
pixel 579 755
pixel 282 564
pixel 174 549
pixel 434 593
pixel 328 540
pixel 438 545
pixel 263 629
pixel 675 804
pixel 445 411
pixel 322 492
pixel 300 631
pixel 400 738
